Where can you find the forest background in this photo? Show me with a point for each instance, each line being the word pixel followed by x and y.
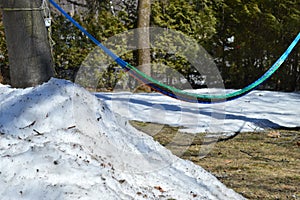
pixel 244 37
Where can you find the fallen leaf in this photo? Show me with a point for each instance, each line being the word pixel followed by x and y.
pixel 228 162
pixel 159 188
pixel 274 134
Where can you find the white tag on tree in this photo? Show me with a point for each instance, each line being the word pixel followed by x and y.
pixel 47 22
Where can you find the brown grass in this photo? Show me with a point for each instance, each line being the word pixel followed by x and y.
pixel 258 165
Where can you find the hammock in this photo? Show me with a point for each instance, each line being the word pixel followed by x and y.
pixel 174 92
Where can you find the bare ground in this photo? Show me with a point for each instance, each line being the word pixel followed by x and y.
pixel 258 165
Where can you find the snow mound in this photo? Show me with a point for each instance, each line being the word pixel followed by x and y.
pixel 58 141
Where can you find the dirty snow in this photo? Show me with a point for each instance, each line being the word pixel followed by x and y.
pixel 58 141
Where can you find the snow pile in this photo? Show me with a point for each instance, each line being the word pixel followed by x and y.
pixel 60 142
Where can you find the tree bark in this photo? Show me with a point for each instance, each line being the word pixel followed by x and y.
pixel 144 57
pixel 28 46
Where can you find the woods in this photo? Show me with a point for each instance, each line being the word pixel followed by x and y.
pixel 244 37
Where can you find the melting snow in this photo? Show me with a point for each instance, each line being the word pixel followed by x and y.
pixel 58 141
pixel 258 110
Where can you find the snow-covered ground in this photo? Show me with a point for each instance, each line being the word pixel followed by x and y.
pixel 57 141
pixel 256 111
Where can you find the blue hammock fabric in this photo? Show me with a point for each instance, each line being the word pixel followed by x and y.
pixel 174 92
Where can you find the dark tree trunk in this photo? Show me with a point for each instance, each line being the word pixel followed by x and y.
pixel 28 46
pixel 144 57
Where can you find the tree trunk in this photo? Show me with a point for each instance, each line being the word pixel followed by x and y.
pixel 144 58
pixel 28 46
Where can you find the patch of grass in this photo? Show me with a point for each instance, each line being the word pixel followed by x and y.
pixel 258 165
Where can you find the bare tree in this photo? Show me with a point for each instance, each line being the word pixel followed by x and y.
pixel 144 57
pixel 28 46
